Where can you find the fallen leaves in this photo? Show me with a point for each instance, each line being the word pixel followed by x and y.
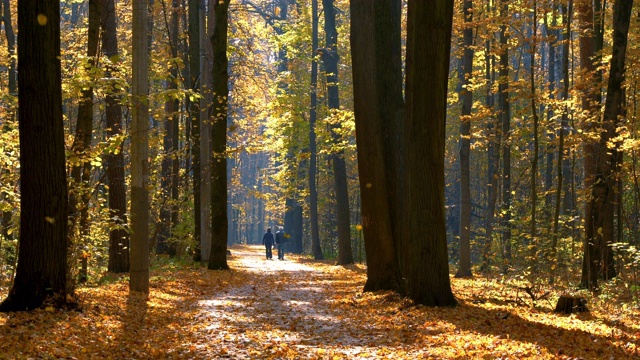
pixel 304 309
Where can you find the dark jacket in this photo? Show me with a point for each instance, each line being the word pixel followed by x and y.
pixel 267 239
pixel 280 239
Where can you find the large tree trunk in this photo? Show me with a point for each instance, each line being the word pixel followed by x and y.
pixel 330 59
pixel 219 111
pixel 466 101
pixel 598 255
pixel 42 253
pixel 139 273
pixel 372 36
pixel 426 267
pixel 118 236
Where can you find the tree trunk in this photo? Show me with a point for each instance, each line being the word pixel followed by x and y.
pixel 466 102
pixel 313 152
pixel 493 153
pixel 170 147
pixel 590 46
pixel 80 196
pixel 598 255
pixel 372 35
pixel 505 116
pixel 194 117
pixel 564 123
pixel 330 59
pixel 139 273
pixel 205 127
pixel 41 274
pixel 536 143
pixel 118 236
pixel 428 49
pixel 219 111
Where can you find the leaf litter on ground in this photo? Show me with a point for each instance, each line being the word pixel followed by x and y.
pixel 305 309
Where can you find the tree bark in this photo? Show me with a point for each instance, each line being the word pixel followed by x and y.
pixel 194 117
pixel 493 153
pixel 533 254
pixel 466 102
pixel 428 47
pixel 207 23
pixel 313 152
pixel 505 116
pixel 118 236
pixel 219 111
pixel 41 274
pixel 80 196
pixel 139 272
pixel 598 255
pixel 171 162
pixel 330 59
pixel 372 29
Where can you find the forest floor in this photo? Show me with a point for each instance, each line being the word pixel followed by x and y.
pixel 304 309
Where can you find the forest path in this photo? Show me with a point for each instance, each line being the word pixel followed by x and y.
pixel 277 308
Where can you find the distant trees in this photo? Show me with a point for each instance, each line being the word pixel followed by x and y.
pixel 41 274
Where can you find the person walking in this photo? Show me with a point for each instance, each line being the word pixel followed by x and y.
pixel 280 240
pixel 267 241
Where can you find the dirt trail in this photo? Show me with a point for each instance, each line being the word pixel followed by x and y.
pixel 281 309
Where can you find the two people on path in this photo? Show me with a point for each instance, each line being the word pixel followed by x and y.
pixel 267 241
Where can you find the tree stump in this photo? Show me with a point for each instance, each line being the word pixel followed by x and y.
pixel 568 304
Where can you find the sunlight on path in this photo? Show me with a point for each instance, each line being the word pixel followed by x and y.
pixel 280 309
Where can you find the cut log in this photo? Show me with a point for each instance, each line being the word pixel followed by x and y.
pixel 568 304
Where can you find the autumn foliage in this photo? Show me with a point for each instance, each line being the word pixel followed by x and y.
pixel 299 308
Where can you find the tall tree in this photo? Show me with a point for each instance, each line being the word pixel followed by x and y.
pixel 139 273
pixel 493 153
pixel 505 118
pixel 118 235
pixel 194 116
pixel 313 152
pixel 426 266
pixel 598 259
pixel 81 170
pixel 206 29
pixel 536 142
pixel 466 101
pixel 330 58
pixel 41 274
pixel 171 162
pixel 375 50
pixel 219 110
pixel 564 123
